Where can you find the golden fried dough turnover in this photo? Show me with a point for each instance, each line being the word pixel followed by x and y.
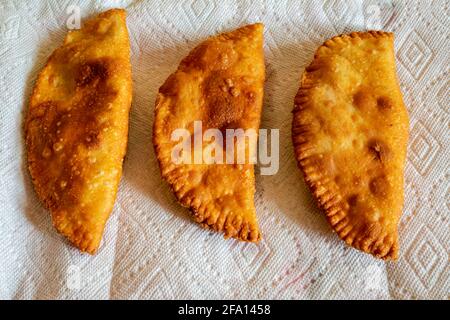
pixel 350 131
pixel 221 84
pixel 77 127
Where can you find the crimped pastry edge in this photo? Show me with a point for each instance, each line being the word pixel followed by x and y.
pixel 77 237
pixel 328 198
pixel 201 213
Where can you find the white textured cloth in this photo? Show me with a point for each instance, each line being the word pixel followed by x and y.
pixel 151 248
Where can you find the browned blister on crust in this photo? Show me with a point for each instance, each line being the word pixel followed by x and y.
pixel 350 131
pixel 221 84
pixel 77 127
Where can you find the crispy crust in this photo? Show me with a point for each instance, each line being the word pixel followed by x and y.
pixel 350 131
pixel 77 127
pixel 220 83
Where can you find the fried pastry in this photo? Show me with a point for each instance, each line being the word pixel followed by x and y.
pixel 350 131
pixel 77 127
pixel 221 84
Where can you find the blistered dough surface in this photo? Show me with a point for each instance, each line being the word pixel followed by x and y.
pixel 221 84
pixel 77 126
pixel 350 131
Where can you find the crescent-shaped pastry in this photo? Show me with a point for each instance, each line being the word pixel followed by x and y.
pixel 77 127
pixel 220 83
pixel 350 131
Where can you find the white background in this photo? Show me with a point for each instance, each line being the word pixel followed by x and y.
pixel 151 249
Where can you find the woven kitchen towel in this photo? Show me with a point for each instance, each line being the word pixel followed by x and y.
pixel 151 249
